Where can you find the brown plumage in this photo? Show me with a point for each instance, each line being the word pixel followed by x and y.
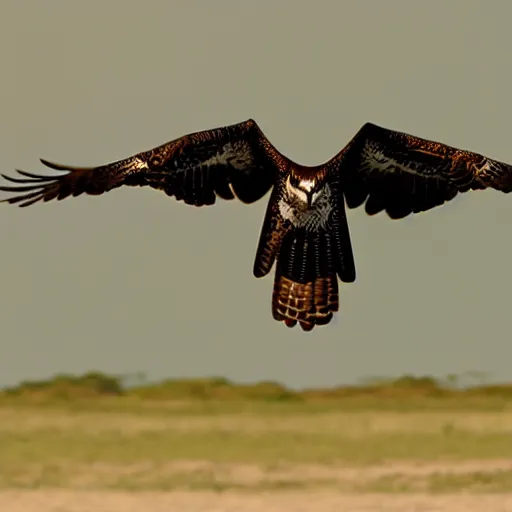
pixel 305 227
pixel 311 303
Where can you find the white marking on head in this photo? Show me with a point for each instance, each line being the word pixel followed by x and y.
pixel 306 185
pixel 303 190
pixel 312 218
pixel 294 191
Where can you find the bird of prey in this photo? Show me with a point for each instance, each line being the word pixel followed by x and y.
pixel 305 231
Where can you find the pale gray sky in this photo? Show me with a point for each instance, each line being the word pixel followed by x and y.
pixel 135 281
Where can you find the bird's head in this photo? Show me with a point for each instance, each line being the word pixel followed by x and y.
pixel 306 190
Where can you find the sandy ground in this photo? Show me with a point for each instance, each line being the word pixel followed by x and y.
pixel 87 499
pixel 90 501
pixel 205 475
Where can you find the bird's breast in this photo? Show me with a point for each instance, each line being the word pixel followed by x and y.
pixel 296 211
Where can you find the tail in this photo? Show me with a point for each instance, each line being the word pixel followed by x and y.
pixel 309 264
pixel 309 304
pixel 308 267
pixel 306 280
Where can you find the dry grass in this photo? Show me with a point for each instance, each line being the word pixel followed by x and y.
pixel 489 476
pixel 352 424
pixel 90 436
pixel 161 449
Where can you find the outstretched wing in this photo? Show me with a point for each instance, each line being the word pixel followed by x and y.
pixel 230 161
pixel 401 174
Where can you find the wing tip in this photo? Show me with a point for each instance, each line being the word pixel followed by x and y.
pixel 54 165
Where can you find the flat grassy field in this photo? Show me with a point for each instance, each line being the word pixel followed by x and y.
pixel 130 444
pixel 83 444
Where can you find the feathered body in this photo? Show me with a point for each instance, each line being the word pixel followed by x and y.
pixel 305 232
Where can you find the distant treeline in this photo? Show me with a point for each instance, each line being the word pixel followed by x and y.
pixel 95 384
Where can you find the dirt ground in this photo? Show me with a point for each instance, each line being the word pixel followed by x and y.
pixel 85 497
pixel 90 501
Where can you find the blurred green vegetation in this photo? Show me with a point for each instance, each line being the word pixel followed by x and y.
pixel 407 389
pixel 100 431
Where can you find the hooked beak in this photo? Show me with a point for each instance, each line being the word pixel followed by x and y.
pixel 309 196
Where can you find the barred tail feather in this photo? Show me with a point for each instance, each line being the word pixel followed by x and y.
pixel 309 304
pixel 306 285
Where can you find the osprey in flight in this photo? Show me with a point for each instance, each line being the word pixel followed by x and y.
pixel 305 229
